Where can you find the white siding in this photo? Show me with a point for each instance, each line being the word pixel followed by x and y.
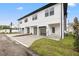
pixel 45 21
pixel 42 20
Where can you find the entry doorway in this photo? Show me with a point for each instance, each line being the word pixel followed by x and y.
pixel 22 30
pixel 35 30
pixel 42 30
pixel 28 30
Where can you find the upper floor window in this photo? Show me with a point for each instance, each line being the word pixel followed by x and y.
pixel 34 17
pixel 51 11
pixel 46 13
pixel 26 20
pixel 20 22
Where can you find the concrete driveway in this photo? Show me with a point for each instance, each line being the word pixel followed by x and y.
pixel 25 40
pixel 10 48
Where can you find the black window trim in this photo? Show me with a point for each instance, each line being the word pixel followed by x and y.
pixel 26 20
pixel 20 22
pixel 51 10
pixel 34 17
pixel 46 13
pixel 53 29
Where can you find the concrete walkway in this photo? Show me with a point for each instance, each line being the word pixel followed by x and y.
pixel 25 40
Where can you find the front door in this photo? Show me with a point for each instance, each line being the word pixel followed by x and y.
pixel 42 30
pixel 35 30
pixel 28 30
pixel 22 30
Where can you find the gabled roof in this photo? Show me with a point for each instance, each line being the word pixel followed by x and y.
pixel 42 8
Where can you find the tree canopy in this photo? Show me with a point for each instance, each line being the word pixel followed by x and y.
pixel 76 33
pixel 4 27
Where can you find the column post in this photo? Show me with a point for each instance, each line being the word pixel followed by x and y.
pixel 38 33
pixel 47 30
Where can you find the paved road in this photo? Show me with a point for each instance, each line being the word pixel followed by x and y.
pixel 10 48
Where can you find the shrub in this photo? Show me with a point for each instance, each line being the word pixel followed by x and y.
pixel 76 33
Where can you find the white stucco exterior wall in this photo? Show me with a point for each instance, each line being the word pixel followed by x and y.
pixel 42 20
pixel 55 20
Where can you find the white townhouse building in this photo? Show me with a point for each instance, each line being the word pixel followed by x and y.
pixel 49 20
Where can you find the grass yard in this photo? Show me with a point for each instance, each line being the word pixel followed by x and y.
pixel 49 47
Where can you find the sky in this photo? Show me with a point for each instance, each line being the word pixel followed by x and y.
pixel 10 12
pixel 73 11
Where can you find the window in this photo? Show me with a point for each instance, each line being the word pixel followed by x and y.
pixel 20 22
pixel 26 20
pixel 53 29
pixel 51 11
pixel 46 13
pixel 34 17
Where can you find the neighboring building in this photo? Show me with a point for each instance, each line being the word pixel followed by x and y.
pixel 70 27
pixel 7 30
pixel 49 20
pixel 15 28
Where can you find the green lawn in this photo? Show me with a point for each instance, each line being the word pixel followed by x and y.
pixel 46 46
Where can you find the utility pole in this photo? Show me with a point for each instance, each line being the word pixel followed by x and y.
pixel 11 27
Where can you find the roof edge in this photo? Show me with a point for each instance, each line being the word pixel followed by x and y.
pixel 44 7
pixel 39 9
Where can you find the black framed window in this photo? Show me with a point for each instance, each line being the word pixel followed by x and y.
pixel 46 13
pixel 51 11
pixel 26 20
pixel 34 17
pixel 20 22
pixel 53 29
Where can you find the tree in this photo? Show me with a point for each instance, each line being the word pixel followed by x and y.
pixel 4 27
pixel 76 33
